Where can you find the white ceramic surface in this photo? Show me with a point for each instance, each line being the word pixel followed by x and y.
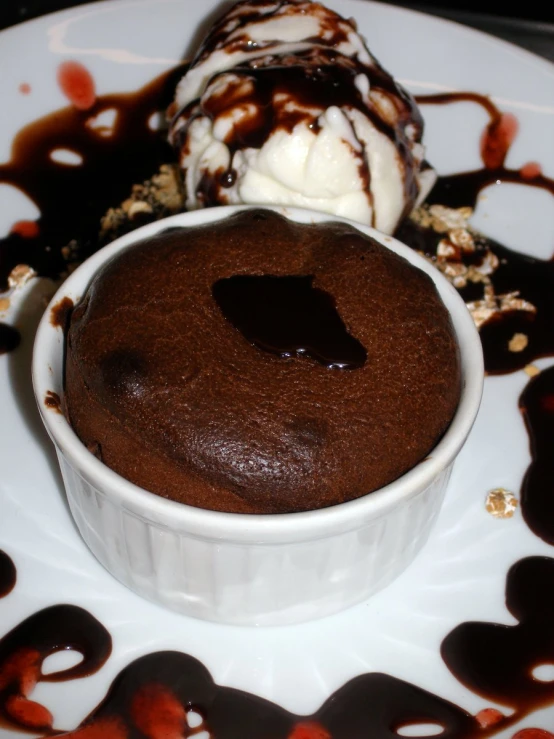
pixel 460 573
pixel 247 569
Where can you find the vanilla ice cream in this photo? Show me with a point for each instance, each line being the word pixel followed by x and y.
pixel 284 104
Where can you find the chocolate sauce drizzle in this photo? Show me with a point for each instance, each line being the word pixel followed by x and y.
pixel 24 649
pixel 315 80
pixel 8 574
pixel 497 661
pixel 289 317
pixel 73 198
pixel 532 279
pixel 537 491
pixel 156 694
pixel 159 691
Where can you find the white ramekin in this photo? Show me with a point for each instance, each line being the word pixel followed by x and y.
pixel 240 568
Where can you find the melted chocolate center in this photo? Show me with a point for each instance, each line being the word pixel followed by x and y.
pixel 288 316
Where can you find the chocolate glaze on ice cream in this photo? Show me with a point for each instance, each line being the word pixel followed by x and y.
pixel 167 384
pixel 284 104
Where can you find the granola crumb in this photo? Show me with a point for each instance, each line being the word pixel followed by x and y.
pixel 501 503
pixel 19 275
pixel 518 342
pixel 139 206
pixel 531 370
pixel 492 305
pixel 4 304
pixel 162 195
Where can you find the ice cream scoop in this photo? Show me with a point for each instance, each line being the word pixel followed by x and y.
pixel 284 104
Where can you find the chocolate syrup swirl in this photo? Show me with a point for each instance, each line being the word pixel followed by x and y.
pixel 173 694
pixel 463 188
pixel 289 317
pixel 8 574
pixel 537 491
pixel 73 198
pixel 530 279
pixel 497 661
pixel 158 692
pixel 24 649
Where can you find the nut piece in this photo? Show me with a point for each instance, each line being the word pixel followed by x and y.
pixel 160 196
pixel 492 305
pixel 501 503
pixel 518 342
pixel 531 370
pixel 458 241
pixel 20 275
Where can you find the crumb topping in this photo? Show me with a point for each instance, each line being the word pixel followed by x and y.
pixel 501 503
pixel 518 342
pixel 531 370
pixel 20 275
pixel 156 198
pixel 459 241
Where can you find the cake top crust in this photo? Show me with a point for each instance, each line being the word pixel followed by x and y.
pixel 170 384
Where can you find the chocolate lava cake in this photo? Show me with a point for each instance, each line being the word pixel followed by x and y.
pixel 257 365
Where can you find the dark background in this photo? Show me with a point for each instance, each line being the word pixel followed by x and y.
pixel 529 23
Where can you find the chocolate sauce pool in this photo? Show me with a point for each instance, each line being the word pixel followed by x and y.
pixel 7 574
pixel 531 278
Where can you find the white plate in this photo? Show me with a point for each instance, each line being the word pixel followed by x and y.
pixel 460 575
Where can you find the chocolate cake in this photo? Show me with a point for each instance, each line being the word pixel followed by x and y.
pixel 257 365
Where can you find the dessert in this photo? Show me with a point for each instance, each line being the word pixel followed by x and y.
pixel 284 104
pixel 259 365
